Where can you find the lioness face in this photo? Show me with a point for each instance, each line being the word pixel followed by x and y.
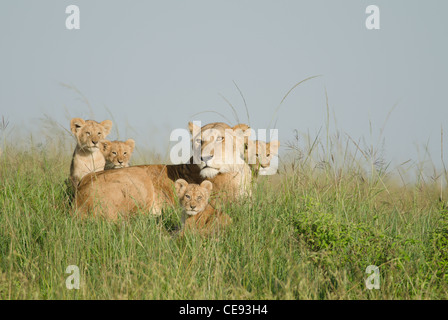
pixel 260 154
pixel 193 198
pixel 221 146
pixel 117 153
pixel 89 133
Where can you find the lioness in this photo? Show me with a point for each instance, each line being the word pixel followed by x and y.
pixel 259 155
pixel 117 193
pixel 117 153
pixel 231 180
pixel 87 156
pixel 197 214
pixel 221 163
pixel 145 188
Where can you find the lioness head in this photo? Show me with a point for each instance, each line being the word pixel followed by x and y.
pixel 221 147
pixel 259 154
pixel 89 133
pixel 193 197
pixel 117 153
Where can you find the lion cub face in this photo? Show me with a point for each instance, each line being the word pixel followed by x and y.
pixel 117 153
pixel 89 133
pixel 193 197
pixel 259 154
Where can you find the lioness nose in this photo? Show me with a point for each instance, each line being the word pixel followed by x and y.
pixel 120 161
pixel 192 207
pixel 94 142
pixel 206 158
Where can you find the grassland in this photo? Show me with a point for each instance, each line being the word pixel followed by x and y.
pixel 307 233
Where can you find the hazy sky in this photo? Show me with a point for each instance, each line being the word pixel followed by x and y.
pixel 154 64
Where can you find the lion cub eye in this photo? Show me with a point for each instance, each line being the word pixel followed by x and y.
pixel 114 153
pixel 125 153
pixel 88 133
pixel 187 196
pixel 99 133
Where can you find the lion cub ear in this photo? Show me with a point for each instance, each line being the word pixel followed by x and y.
pixel 107 125
pixel 76 124
pixel 273 146
pixel 131 143
pixel 105 146
pixel 207 185
pixel 245 130
pixel 181 187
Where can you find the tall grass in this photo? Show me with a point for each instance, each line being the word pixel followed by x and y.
pixel 307 233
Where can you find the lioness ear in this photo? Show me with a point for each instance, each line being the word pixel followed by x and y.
pixel 193 128
pixel 181 186
pixel 273 146
pixel 107 124
pixel 241 126
pixel 76 124
pixel 207 185
pixel 131 143
pixel 245 130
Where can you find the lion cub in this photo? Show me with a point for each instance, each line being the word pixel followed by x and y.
pixel 259 155
pixel 198 215
pixel 117 153
pixel 87 156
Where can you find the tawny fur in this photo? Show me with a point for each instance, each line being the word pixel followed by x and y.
pixel 228 172
pixel 87 156
pixel 117 153
pixel 259 154
pixel 198 215
pixel 155 185
pixel 144 188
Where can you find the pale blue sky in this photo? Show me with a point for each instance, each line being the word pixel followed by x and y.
pixel 154 64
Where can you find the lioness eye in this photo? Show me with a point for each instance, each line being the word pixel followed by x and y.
pixel 113 152
pixel 187 196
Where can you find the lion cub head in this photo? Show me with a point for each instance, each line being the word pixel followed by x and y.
pixel 117 153
pixel 89 133
pixel 259 155
pixel 193 197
